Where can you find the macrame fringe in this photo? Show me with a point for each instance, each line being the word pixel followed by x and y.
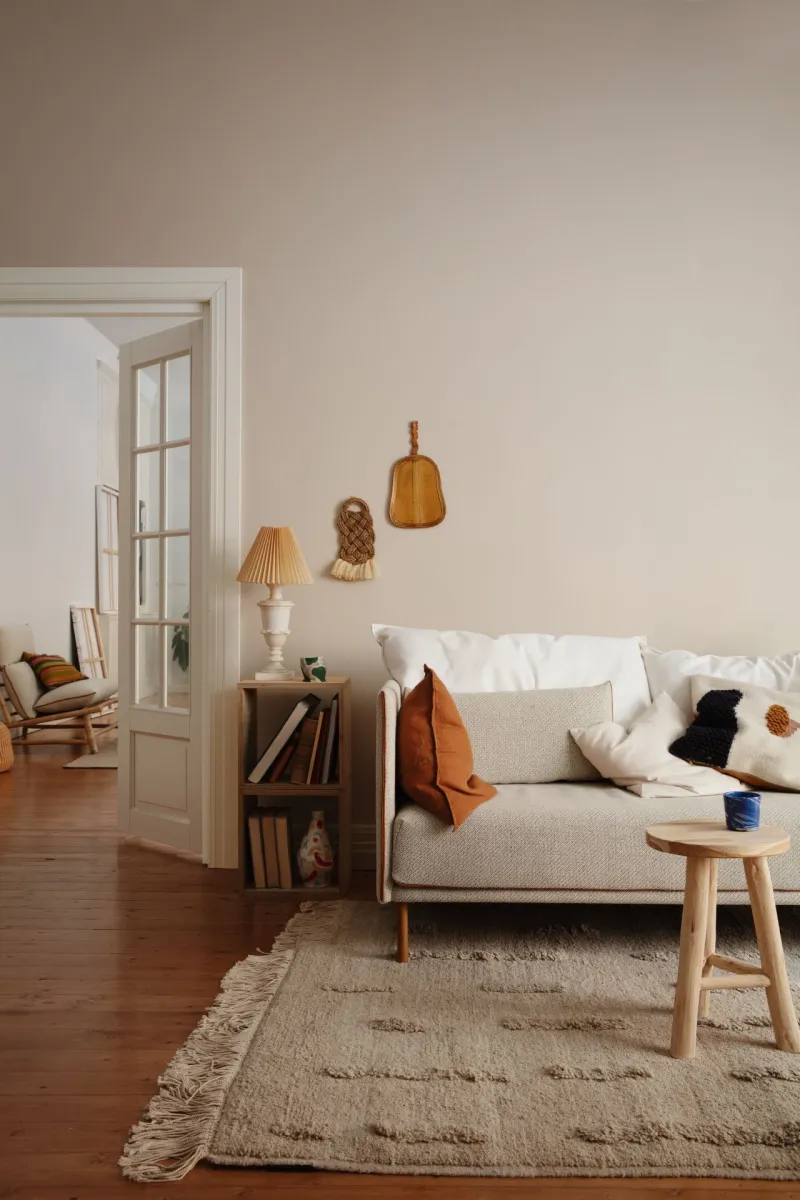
pixel 178 1127
pixel 353 572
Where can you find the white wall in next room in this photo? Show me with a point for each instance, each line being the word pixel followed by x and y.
pixel 49 406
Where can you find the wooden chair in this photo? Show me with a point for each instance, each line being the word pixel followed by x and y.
pixel 26 706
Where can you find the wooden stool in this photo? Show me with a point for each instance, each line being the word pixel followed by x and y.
pixel 701 843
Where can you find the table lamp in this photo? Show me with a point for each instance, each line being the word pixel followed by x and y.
pixel 275 558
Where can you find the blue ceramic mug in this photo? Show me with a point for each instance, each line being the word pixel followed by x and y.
pixel 742 810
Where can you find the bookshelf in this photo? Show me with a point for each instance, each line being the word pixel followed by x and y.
pixel 263 706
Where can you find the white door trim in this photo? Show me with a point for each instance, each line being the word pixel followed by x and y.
pixel 145 291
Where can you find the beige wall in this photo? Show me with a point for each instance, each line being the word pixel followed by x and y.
pixel 563 234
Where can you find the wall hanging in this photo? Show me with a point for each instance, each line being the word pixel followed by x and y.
pixel 357 542
pixel 417 500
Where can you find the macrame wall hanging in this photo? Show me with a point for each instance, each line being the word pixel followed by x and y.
pixel 356 559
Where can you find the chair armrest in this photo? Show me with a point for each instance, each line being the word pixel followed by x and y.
pixel 388 706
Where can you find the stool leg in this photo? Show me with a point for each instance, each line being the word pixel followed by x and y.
pixel 711 933
pixel 690 964
pixel 768 932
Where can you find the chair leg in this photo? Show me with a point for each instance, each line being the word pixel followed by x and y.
pixel 768 932
pixel 690 964
pixel 711 933
pixel 91 740
pixel 402 933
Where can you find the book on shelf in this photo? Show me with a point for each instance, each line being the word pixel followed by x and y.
pixel 279 768
pixel 301 760
pixel 297 717
pixel 334 777
pixel 331 732
pixel 270 850
pixel 319 754
pixel 256 851
pixel 284 847
pixel 315 749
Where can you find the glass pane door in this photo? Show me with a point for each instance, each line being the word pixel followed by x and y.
pixel 160 538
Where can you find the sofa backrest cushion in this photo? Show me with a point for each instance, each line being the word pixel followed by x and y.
pixel 519 662
pixel 524 737
pixel 672 671
pixel 434 756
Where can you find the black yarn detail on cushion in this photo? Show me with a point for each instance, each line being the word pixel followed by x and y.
pixel 709 738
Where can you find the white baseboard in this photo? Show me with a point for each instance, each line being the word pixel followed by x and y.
pixel 363 847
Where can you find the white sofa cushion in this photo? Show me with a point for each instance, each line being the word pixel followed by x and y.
pixel 80 694
pixel 640 759
pixel 671 671
pixel 569 837
pixel 23 687
pixel 524 737
pixel 517 662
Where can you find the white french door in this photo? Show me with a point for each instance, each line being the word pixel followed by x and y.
pixel 161 524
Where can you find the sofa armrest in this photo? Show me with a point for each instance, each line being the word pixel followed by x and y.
pixel 388 707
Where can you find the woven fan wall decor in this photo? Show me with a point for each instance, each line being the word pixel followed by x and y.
pixel 356 559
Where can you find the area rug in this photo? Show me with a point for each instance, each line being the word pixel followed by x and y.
pixel 517 1041
pixel 103 758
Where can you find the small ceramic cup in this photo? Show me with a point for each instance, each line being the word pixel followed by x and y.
pixel 314 669
pixel 742 810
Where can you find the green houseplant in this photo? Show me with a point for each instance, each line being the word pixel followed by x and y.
pixel 180 644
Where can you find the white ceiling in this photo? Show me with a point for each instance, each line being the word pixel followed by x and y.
pixel 120 330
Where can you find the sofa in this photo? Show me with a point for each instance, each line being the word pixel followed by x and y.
pixel 549 842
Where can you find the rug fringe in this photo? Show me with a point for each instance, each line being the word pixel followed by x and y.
pixel 178 1127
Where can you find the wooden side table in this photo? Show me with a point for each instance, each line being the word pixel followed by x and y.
pixel 702 843
pixel 279 696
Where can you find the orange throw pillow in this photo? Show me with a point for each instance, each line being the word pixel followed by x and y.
pixel 435 755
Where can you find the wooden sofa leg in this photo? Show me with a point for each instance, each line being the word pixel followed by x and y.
pixel 91 741
pixel 402 933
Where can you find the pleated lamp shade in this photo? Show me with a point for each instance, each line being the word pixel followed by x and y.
pixel 275 557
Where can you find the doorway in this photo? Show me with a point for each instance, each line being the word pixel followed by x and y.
pixel 178 670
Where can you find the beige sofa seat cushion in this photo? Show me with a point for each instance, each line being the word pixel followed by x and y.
pixel 14 641
pixel 569 836
pixel 80 694
pixel 23 687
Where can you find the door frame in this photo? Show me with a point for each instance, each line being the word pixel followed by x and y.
pixel 190 292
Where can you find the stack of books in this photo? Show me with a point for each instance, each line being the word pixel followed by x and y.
pixel 270 848
pixel 305 750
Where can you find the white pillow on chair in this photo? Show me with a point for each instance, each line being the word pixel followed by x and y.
pixel 23 687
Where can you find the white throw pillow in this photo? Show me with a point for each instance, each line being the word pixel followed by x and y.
pixel 671 671
pixel 640 760
pixel 518 662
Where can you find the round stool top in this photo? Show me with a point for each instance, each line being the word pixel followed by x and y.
pixel 713 839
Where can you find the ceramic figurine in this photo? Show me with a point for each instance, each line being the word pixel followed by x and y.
pixel 315 856
pixel 314 669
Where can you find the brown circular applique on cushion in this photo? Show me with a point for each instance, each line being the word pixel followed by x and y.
pixel 779 722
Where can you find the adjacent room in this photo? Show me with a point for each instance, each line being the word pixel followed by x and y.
pixel 399 659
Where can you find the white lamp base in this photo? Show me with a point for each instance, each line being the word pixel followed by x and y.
pixel 275 613
pixel 263 676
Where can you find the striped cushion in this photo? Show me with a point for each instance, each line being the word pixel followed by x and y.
pixel 51 670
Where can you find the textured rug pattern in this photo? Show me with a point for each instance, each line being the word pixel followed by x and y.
pixel 514 1042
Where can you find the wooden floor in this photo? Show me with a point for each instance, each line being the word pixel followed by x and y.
pixel 109 953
